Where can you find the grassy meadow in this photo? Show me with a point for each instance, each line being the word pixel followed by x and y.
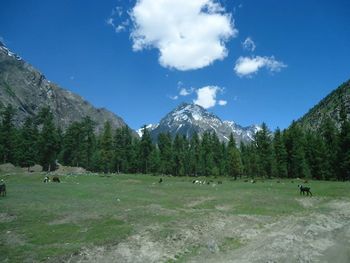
pixel 55 221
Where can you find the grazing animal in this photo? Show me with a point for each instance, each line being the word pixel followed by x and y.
pixel 55 179
pixel 253 181
pixel 304 189
pixel 219 182
pixel 2 188
pixel 46 179
pixel 160 180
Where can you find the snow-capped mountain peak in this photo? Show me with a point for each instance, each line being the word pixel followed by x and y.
pixel 186 119
pixel 8 52
pixel 149 127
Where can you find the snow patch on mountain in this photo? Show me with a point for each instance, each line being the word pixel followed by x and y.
pixel 8 52
pixel 188 119
pixel 149 127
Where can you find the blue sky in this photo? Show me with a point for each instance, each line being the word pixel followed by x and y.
pixel 135 57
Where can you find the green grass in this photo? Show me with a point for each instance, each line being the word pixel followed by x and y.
pixel 40 220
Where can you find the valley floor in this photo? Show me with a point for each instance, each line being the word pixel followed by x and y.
pixel 133 218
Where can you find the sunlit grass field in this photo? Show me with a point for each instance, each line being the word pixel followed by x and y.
pixel 44 222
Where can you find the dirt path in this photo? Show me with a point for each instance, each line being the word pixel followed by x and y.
pixel 320 236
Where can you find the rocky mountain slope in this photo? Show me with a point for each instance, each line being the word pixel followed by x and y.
pixel 187 119
pixel 28 91
pixel 329 106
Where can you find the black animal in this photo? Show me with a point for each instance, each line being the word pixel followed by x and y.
pixel 160 180
pixel 46 179
pixel 219 182
pixel 2 189
pixel 304 189
pixel 55 179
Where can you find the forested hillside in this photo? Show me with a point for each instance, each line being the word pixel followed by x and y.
pixel 329 107
pixel 292 153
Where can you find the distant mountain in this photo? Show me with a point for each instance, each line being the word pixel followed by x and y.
pixel 28 91
pixel 187 119
pixel 329 106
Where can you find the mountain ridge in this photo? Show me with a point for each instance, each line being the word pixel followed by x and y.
pixel 188 118
pixel 329 106
pixel 28 90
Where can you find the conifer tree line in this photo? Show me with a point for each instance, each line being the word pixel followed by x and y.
pixel 292 153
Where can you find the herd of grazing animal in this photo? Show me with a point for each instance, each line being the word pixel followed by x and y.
pixel 303 189
pixel 204 182
pixel 55 179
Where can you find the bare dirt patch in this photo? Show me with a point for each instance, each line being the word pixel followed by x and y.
pixel 312 238
pixel 11 238
pixel 199 201
pixel 5 218
pixel 74 218
pixel 70 170
pixel 309 202
pixel 9 168
pixel 306 237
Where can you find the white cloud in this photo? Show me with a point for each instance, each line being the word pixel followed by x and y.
pixel 118 11
pixel 206 96
pixel 117 20
pixel 222 102
pixel 110 21
pixel 186 92
pixel 188 34
pixel 249 44
pixel 173 97
pixel 246 66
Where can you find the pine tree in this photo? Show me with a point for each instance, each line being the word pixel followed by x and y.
pixel 88 142
pixel 118 150
pixel 72 147
pixel 206 162
pixel 128 151
pixel 48 142
pixel 106 149
pixel 344 146
pixel 194 155
pixel 218 157
pixel 165 149
pixel 28 150
pixel 263 143
pixel 234 162
pixel 155 161
pixel 316 155
pixel 134 162
pixel 178 156
pixel 280 154
pixel 145 150
pixel 295 143
pixel 330 136
pixel 7 135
